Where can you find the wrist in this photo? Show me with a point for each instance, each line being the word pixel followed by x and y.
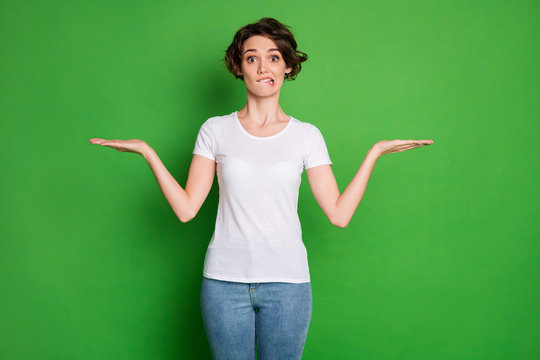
pixel 147 152
pixel 374 152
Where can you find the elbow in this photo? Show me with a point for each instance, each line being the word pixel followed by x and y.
pixel 339 223
pixel 184 218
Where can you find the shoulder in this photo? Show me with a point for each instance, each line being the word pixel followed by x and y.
pixel 305 128
pixel 217 121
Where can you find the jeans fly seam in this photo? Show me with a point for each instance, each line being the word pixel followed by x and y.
pixel 252 297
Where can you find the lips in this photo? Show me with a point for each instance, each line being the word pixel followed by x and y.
pixel 268 81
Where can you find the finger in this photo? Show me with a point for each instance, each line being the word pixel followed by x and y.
pixel 422 142
pixel 413 142
pixel 405 149
pixel 103 142
pixel 408 147
pixel 407 142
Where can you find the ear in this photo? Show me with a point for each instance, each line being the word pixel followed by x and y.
pixel 238 70
pixel 288 70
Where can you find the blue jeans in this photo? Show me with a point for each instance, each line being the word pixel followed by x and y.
pixel 274 316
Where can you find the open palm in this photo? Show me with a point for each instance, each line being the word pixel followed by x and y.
pixel 132 145
pixel 392 146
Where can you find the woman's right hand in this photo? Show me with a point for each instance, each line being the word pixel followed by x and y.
pixel 132 145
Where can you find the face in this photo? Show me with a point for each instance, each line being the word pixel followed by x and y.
pixel 263 66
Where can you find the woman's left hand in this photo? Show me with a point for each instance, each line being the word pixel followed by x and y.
pixel 391 146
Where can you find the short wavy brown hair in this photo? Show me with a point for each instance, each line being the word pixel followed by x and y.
pixel 274 30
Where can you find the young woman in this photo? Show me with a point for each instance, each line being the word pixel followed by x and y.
pixel 256 289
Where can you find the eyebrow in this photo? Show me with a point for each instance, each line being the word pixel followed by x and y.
pixel 256 50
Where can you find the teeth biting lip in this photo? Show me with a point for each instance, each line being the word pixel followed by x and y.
pixel 267 81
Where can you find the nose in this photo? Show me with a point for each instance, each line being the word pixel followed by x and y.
pixel 262 66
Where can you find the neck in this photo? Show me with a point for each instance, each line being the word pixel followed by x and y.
pixel 263 110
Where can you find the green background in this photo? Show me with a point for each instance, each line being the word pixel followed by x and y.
pixel 440 261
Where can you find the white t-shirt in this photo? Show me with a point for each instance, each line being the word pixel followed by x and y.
pixel 258 237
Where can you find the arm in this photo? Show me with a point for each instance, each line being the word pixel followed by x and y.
pixel 185 203
pixel 339 208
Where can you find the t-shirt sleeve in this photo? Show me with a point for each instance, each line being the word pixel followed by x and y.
pixel 317 153
pixel 205 143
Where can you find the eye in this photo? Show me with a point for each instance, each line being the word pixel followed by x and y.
pixel 274 57
pixel 249 58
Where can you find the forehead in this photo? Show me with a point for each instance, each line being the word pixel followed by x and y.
pixel 259 43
